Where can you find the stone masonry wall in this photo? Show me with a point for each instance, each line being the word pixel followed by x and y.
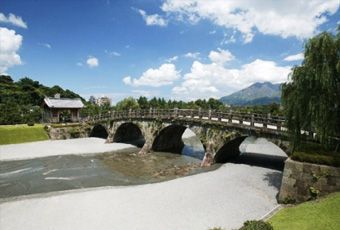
pixel 68 132
pixel 304 181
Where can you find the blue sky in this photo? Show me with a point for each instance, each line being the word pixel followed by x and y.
pixel 181 49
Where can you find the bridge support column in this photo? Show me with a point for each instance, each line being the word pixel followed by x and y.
pixel 147 146
pixel 149 131
pixel 109 138
pixel 209 155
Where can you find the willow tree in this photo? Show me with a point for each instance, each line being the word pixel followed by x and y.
pixel 312 96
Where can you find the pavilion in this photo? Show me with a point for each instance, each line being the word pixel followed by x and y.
pixel 58 109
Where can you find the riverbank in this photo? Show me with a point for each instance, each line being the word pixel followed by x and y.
pixel 225 197
pixel 47 148
pixel 13 134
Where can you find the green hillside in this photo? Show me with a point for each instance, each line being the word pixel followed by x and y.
pixel 20 101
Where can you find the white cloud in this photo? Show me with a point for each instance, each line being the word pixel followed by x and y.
pixel 194 55
pixel 296 57
pixel 13 20
pixel 92 62
pixel 127 80
pixel 112 53
pixel 221 56
pixel 228 38
pixel 45 45
pixel 212 32
pixel 10 43
pixel 166 74
pixel 215 80
pixel 172 59
pixel 288 18
pixel 153 19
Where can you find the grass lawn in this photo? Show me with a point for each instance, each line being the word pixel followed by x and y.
pixel 13 134
pixel 323 214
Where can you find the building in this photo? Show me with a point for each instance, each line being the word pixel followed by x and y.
pixel 61 109
pixel 103 100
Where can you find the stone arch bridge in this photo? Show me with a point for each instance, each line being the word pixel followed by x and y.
pixel 161 130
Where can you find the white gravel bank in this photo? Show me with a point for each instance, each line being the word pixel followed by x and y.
pixel 58 147
pixel 261 146
pixel 225 197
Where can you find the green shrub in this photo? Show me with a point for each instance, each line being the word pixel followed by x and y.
pixel 74 133
pixel 289 200
pixel 312 147
pixel 256 225
pixel 332 159
pixel 65 116
pixel 314 193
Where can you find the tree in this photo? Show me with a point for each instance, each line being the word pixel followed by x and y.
pixel 92 100
pixel 214 104
pixel 312 98
pixel 153 103
pixel 6 79
pixel 143 102
pixel 28 82
pixel 127 103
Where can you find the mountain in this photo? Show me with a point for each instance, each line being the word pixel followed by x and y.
pixel 256 94
pixel 29 92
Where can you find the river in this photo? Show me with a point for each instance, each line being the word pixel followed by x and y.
pixel 118 168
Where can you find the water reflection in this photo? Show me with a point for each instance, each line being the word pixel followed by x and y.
pixel 192 145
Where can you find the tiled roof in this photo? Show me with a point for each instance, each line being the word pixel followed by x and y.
pixel 63 103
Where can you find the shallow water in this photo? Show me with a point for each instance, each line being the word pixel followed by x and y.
pixel 58 173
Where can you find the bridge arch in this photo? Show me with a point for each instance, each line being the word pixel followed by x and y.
pixel 100 131
pixel 171 139
pixel 252 150
pixel 229 150
pixel 129 133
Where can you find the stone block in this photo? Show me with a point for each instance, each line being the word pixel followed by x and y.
pixel 287 172
pixel 308 168
pixel 331 181
pixel 289 163
pixel 298 166
pixel 306 178
pixel 322 181
pixel 337 183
